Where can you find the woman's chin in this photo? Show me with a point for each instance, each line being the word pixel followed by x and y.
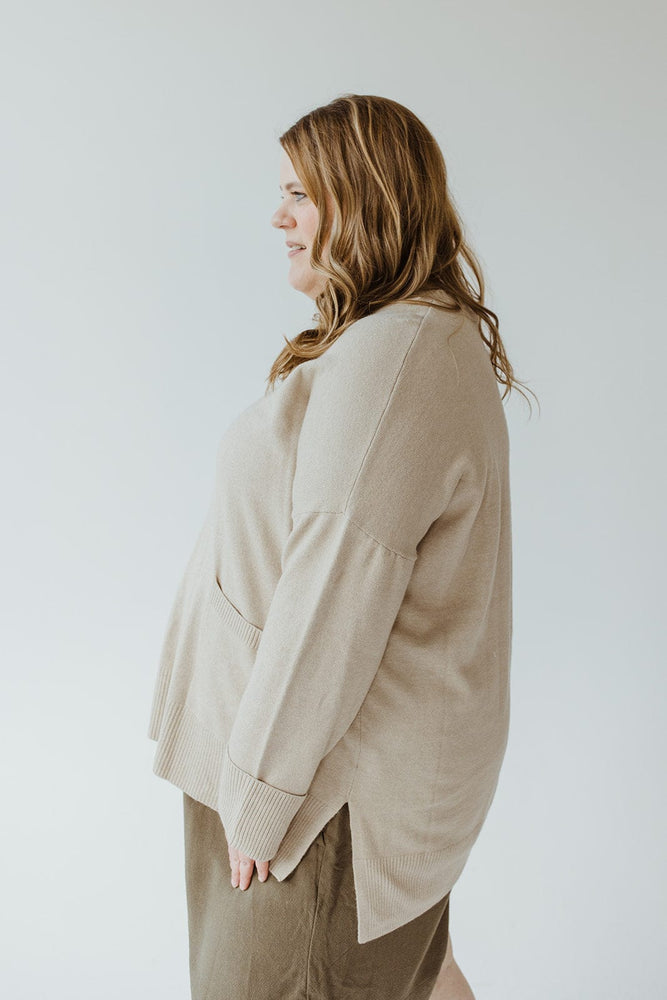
pixel 299 285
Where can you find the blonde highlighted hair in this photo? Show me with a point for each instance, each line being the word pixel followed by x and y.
pixel 395 231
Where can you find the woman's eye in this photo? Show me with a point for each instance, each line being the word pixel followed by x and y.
pixel 297 194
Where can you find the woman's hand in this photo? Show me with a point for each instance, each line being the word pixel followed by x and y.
pixel 241 866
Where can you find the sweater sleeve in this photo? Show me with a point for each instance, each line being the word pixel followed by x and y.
pixel 370 477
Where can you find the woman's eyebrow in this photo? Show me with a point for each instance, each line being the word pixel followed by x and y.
pixel 289 185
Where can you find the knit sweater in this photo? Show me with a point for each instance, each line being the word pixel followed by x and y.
pixel 342 629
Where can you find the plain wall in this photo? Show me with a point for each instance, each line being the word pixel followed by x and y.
pixel 144 296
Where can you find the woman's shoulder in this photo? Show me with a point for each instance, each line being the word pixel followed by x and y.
pixel 391 329
pixel 383 346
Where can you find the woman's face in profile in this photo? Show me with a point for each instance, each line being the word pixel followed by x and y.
pixel 297 216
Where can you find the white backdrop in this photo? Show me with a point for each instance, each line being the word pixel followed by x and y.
pixel 144 296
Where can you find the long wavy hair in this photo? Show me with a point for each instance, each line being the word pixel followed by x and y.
pixel 395 231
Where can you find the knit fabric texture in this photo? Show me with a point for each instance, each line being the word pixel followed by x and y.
pixel 342 629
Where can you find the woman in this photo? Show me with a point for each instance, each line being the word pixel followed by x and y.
pixel 333 692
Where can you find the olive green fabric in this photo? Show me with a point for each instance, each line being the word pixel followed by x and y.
pixel 296 939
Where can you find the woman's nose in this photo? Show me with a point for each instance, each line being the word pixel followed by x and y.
pixel 281 218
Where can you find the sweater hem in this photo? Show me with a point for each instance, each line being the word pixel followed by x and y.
pixel 390 891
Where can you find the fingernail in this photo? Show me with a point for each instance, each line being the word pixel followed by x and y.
pixel 235 884
pixel 262 878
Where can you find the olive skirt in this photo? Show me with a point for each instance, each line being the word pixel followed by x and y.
pixel 297 939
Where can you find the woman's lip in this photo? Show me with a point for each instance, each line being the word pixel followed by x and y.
pixel 294 251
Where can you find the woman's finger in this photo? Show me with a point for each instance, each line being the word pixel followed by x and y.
pixel 242 867
pixel 246 865
pixel 234 865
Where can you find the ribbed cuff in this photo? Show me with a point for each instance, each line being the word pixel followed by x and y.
pixel 255 815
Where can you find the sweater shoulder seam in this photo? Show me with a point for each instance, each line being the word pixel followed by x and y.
pixel 381 417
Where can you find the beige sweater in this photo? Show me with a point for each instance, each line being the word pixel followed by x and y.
pixel 342 630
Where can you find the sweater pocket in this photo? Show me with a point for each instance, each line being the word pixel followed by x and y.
pixel 219 661
pixel 232 617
